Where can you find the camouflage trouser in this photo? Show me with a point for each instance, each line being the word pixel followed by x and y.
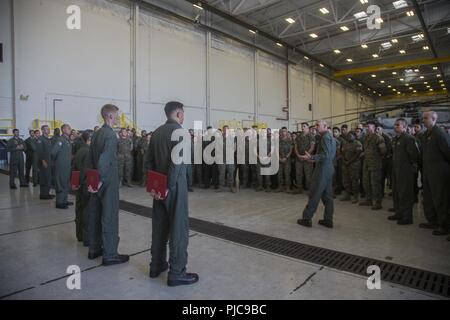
pixel 254 171
pixel 284 174
pixel 226 175
pixel 262 178
pixel 303 168
pixel 372 182
pixel 125 167
pixel 350 177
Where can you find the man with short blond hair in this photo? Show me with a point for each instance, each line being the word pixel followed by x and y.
pixel 104 214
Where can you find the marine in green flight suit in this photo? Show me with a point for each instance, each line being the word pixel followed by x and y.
pixel 436 176
pixel 43 149
pixel 104 202
pixel 62 158
pixel 322 179
pixel 80 163
pixel 170 221
pixel 16 148
pixel 405 159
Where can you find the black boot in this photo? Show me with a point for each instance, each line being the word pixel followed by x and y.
pixel 186 279
pixel 118 259
pixel 156 273
pixel 305 222
pixel 326 223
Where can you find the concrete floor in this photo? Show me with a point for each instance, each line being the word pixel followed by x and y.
pixel 37 244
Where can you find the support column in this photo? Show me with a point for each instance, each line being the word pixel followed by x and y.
pixel 313 93
pixel 13 66
pixel 133 69
pixel 255 91
pixel 208 70
pixel 332 102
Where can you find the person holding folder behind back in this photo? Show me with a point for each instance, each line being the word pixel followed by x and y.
pixel 170 215
pixel 104 204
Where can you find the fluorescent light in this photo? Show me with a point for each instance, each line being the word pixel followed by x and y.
pixel 379 20
pixel 421 77
pixel 417 37
pixel 394 89
pixel 279 44
pixel 364 1
pixel 394 40
pixel 428 86
pixel 198 6
pixel 431 89
pixel 406 84
pixel 381 81
pixel 426 82
pixel 349 79
pixel 324 10
pixel 410 13
pixel 438 75
pixel 313 35
pixel 321 65
pixel 359 84
pixel 375 55
pixel 252 31
pixel 401 79
pixel 349 60
pixel 386 45
pixel 393 72
pixel 344 28
pixel 425 48
pixel 441 81
pixel 402 51
pixel 435 68
pixel 290 20
pixel 442 85
pixel 337 51
pixel 306 58
pixel 400 4
pixel 414 91
pixel 389 86
pixel 410 88
pixel 379 94
pixel 416 70
pixel 360 15
pixel 364 46
pixel 373 75
pixel 398 92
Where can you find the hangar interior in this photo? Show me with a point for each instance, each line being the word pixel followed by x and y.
pixel 270 63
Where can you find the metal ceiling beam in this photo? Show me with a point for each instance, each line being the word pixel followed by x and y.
pixel 392 66
pixel 428 37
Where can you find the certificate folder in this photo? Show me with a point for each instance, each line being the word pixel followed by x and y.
pixel 92 178
pixel 75 179
pixel 157 183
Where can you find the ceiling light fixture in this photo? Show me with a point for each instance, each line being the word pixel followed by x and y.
pixel 337 51
pixel 313 35
pixel 290 20
pixel 344 28
pixel 364 46
pixel 324 10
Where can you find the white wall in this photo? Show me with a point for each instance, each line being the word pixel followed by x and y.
pixel 6 105
pixel 90 67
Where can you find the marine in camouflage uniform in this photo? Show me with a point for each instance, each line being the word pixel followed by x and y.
pixel 125 159
pixel 145 150
pixel 304 142
pixel 264 181
pixel 374 149
pixel 226 170
pixel 351 166
pixel 284 171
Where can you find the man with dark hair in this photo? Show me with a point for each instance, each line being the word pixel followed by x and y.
pixel 43 150
pixel 284 171
pixel 304 143
pixel 81 163
pixel 62 157
pixel 170 215
pixel 386 162
pixel 436 176
pixel 125 158
pixel 344 131
pixel 29 153
pixel 405 159
pixel 104 203
pixel 16 148
pixel 374 149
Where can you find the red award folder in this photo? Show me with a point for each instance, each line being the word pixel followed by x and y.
pixel 157 183
pixel 92 178
pixel 75 179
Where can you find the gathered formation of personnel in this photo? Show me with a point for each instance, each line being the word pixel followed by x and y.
pixel 318 159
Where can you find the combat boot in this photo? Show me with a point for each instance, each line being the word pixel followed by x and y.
pixel 233 189
pixel 268 189
pixel 279 189
pixel 346 197
pixel 377 206
pixel 259 188
pixel 355 199
pixel 298 191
